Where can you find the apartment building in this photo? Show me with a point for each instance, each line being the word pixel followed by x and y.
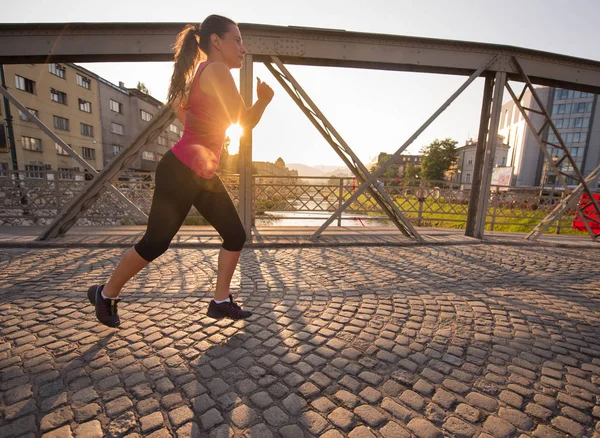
pixel 65 98
pixel 465 165
pixel 142 108
pixel 574 115
pixel 94 116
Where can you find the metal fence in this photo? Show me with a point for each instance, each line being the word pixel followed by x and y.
pixel 36 197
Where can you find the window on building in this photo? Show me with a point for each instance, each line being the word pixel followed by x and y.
pixel 87 130
pixel 116 128
pixel 173 128
pixel 588 107
pixel 116 106
pixel 25 84
pixel 57 70
pixel 84 82
pixel 558 122
pixel 24 117
pixel 116 149
pixel 31 144
pixel 3 142
pixel 88 153
pixel 3 170
pixel 577 122
pixel 557 93
pixel 60 150
pixel 574 152
pixel 58 96
pixel 162 140
pixel 66 173
pixel 469 160
pixel 583 137
pixel 159 156
pixel 586 122
pixel 146 116
pixel 85 106
pixel 35 171
pixel 564 94
pixel 468 177
pixel 172 143
pixel 148 155
pixel 61 123
pixel 503 161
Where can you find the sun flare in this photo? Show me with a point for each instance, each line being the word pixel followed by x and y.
pixel 234 132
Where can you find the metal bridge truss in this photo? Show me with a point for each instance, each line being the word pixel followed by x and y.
pixel 276 46
pixel 362 174
pixel 557 153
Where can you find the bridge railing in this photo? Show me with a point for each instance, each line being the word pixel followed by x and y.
pixel 38 195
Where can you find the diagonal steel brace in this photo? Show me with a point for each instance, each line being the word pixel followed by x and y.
pixel 371 179
pixel 339 145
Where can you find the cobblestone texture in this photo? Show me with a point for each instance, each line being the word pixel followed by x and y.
pixel 459 340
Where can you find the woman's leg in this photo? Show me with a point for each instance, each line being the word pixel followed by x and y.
pixel 171 202
pixel 128 267
pixel 228 261
pixel 216 207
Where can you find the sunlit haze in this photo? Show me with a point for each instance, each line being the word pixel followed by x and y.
pixel 234 132
pixel 374 111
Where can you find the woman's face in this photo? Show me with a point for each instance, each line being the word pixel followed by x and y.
pixel 231 47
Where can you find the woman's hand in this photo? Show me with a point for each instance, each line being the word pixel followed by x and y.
pixel 263 91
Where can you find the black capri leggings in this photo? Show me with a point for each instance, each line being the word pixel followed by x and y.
pixel 177 189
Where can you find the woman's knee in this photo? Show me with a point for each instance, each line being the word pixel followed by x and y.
pixel 235 241
pixel 149 250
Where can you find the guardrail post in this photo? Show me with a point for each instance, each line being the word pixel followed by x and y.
pixel 421 198
pixel 495 196
pixel 340 201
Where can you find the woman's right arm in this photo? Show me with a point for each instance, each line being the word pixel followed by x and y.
pixel 219 83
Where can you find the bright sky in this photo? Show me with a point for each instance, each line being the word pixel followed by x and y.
pixel 373 111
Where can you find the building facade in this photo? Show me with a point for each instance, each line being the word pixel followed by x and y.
pixel 575 117
pixel 465 164
pixel 142 108
pixel 65 98
pixel 95 117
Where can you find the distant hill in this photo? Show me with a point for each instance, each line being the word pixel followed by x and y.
pixel 321 170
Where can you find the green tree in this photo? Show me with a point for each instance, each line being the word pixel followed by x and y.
pixel 437 158
pixel 142 87
pixel 412 171
pixel 390 172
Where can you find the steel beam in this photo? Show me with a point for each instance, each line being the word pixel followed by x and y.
pixel 371 179
pixel 68 216
pixel 560 146
pixel 339 145
pixel 570 201
pixel 32 118
pixel 484 123
pixel 246 188
pixel 116 42
pixel 490 152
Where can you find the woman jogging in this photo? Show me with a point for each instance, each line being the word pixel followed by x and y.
pixel 206 100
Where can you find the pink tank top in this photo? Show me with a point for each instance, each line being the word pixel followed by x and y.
pixel 203 136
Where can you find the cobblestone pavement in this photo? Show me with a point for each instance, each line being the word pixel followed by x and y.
pixel 461 340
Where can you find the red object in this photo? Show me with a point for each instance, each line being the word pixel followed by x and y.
pixel 361 222
pixel 590 214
